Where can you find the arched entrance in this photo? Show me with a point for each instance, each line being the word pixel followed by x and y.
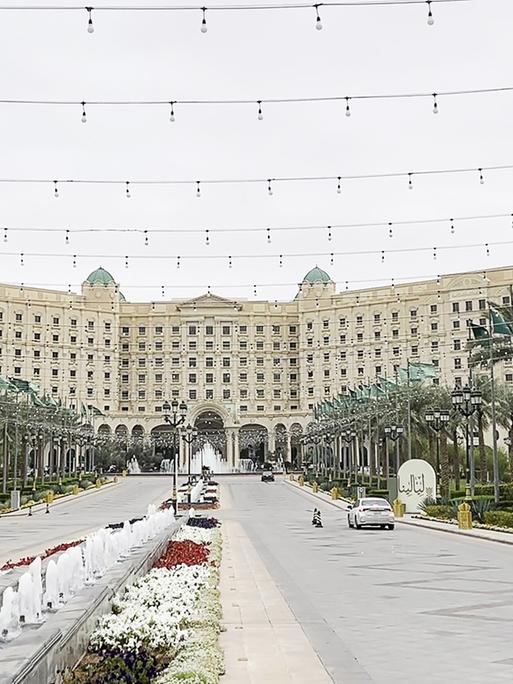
pixel 296 436
pixel 210 427
pixel 253 442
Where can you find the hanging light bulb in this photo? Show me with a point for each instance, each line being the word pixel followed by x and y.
pixel 487 249
pixel 410 182
pixel 268 235
pixel 172 111
pixel 481 177
pixel 55 189
pixel 198 189
pixel 90 27
pixel 74 260
pixel 146 238
pixel 382 256
pixel 260 115
pixel 318 22
pixel 127 191
pixel 452 227
pixel 229 262
pixel 254 291
pixel 126 262
pixel 435 104
pixel 204 28
pixel 281 260
pixel 390 231
pixel 329 234
pixel 348 109
pixel 84 115
pixel 66 239
pixel 177 262
pixel 331 259
pixel 162 291
pixel 430 18
pixel 269 187
pixel 22 260
pixel 434 253
pixel 207 237
pixel 339 187
pixel 5 234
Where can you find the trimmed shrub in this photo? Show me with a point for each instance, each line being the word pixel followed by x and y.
pixel 499 518
pixel 443 511
pixel 84 484
pixel 381 493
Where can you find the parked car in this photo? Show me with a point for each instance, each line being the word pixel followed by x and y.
pixel 267 476
pixel 371 511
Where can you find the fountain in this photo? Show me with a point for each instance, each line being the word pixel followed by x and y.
pixel 209 457
pixel 9 615
pixel 166 466
pixel 51 596
pixel 133 466
pixel 29 606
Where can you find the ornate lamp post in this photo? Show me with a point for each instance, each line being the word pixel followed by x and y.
pixel 467 401
pixel 174 415
pixel 348 436
pixel 190 436
pixel 437 420
pixel 394 432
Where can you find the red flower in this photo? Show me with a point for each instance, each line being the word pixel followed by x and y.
pixel 182 552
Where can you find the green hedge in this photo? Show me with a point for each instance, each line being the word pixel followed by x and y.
pixel 381 493
pixel 499 518
pixel 444 511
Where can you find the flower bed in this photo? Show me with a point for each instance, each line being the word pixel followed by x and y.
pixel 165 626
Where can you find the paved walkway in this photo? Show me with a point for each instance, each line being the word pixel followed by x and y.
pixel 452 528
pixel 263 642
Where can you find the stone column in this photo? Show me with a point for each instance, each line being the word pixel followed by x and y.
pixel 182 461
pixel 288 449
pixel 236 449
pixel 229 447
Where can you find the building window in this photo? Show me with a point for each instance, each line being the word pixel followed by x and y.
pixel 193 330
pixel 395 332
pixel 434 327
pixel 482 304
pixel 434 308
pixel 209 394
pixel 456 345
pixel 455 325
pixel 192 378
pixel 259 329
pixel 413 313
pixel 468 306
pixel 243 329
pixel 377 318
pixel 457 363
pixel 359 320
pixel 192 394
pixel 226 394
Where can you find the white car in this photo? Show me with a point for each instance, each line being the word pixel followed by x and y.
pixel 371 511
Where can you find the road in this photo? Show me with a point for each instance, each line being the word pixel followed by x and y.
pixel 21 535
pixel 383 607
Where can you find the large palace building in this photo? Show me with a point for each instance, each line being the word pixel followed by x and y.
pixel 237 362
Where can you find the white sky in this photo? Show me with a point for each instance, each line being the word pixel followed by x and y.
pixel 150 55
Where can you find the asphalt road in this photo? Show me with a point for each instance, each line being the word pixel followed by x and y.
pixel 71 519
pixel 383 607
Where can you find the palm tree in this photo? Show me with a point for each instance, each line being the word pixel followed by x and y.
pixel 505 418
pixel 483 417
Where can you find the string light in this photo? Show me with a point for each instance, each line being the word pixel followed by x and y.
pixel 430 18
pixel 84 115
pixel 127 191
pixel 6 229
pixel 434 253
pixel 204 28
pixel 348 109
pixel 281 260
pixel 481 177
pixel 435 104
pixel 318 22
pixel 452 227
pixel 269 187
pixel 74 264
pixel 339 188
pixel 207 237
pixel 146 239
pixel 254 290
pixel 260 115
pixel 382 256
pixel 22 260
pixel 55 189
pixel 172 111
pixel 67 236
pixel 90 27
pixel 487 250
pixel 329 234
pixel 269 234
pixel 229 262
pixel 126 262
pixel 390 231
pixel 177 262
pixel 410 182
pixel 162 291
pixel 331 259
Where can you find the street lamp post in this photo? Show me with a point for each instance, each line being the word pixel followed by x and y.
pixel 437 420
pixel 190 436
pixel 467 401
pixel 174 415
pixel 348 437
pixel 394 432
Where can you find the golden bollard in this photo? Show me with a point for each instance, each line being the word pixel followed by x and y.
pixel 75 489
pixel 315 487
pixel 115 478
pixel 464 516
pixel 301 481
pixel 334 493
pixel 124 473
pixel 98 483
pixel 399 508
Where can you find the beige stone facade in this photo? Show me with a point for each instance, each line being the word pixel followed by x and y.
pixel 250 362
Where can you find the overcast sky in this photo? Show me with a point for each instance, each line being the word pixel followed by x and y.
pixel 254 55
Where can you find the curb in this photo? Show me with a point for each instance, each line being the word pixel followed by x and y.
pixel 62 499
pixel 457 532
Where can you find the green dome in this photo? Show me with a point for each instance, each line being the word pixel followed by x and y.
pixel 100 277
pixel 317 275
pixel 122 297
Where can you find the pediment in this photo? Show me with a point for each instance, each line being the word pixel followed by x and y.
pixel 209 301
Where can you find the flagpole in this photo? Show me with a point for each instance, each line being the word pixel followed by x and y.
pixel 471 420
pixel 409 408
pixel 496 481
